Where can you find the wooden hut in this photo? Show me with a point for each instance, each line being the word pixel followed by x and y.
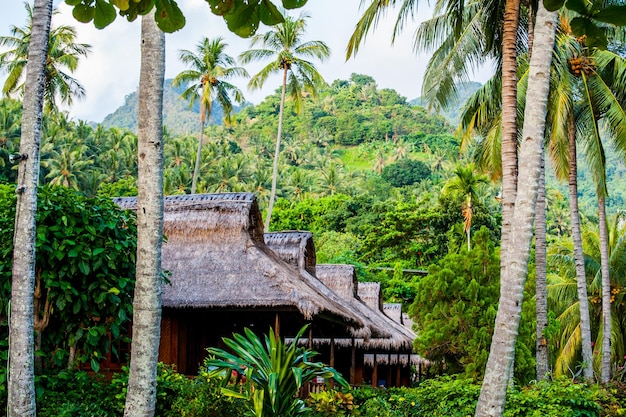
pixel 222 278
pixel 381 365
pixel 298 248
pixel 384 360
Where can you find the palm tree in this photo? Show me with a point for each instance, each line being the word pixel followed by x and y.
pixel 501 355
pixel 63 57
pixel 21 378
pixel 141 393
pixel 67 166
pixel 285 46
pixel 467 184
pixel 206 81
pixel 563 297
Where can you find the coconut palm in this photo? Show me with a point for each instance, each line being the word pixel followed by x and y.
pixel 141 395
pixel 499 367
pixel 63 57
pixel 562 291
pixel 21 377
pixel 289 53
pixel 467 184
pixel 67 166
pixel 206 82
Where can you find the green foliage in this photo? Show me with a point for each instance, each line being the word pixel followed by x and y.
pixel 75 393
pixel 125 187
pixel 591 19
pixel 274 372
pixel 560 397
pixel 455 307
pixel 85 270
pixel 405 172
pixel 331 403
pixel 242 17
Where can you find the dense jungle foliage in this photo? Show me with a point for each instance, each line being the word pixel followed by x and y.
pixel 381 184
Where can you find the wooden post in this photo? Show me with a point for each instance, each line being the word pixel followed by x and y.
pixel 398 372
pixel 332 352
pixel 311 336
pixel 375 373
pixel 353 364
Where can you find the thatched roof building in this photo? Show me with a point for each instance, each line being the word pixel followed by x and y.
pixel 343 280
pixel 223 277
pixel 380 360
pixel 297 248
pixel 217 257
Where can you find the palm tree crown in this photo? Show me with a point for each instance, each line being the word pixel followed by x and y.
pixel 289 53
pixel 63 56
pixel 210 67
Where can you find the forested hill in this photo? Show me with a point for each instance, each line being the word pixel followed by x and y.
pixel 452 112
pixel 349 113
pixel 177 116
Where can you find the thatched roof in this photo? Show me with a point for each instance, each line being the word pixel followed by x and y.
pixel 294 247
pixel 342 279
pixel 371 294
pixel 393 311
pixel 404 359
pixel 217 258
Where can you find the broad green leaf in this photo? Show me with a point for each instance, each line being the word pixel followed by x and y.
pixel 73 2
pixel 144 6
pixel 221 7
pixel 577 6
pixel 615 15
pixel 83 14
pixel 168 16
pixel 553 5
pixel 596 37
pixel 243 20
pixel 579 26
pixel 95 365
pixel 114 290
pixel 84 267
pixel 121 4
pixel 270 15
pixel 293 4
pixel 104 14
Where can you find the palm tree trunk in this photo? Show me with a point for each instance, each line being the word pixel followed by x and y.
pixel 141 394
pixel 502 353
pixel 605 370
pixel 541 302
pixel 270 207
pixel 581 279
pixel 196 168
pixel 21 378
pixel 509 121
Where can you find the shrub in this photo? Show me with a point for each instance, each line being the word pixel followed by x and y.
pixel 405 172
pixel 331 403
pixel 551 398
pixel 75 393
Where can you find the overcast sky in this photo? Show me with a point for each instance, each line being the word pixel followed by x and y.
pixel 111 70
